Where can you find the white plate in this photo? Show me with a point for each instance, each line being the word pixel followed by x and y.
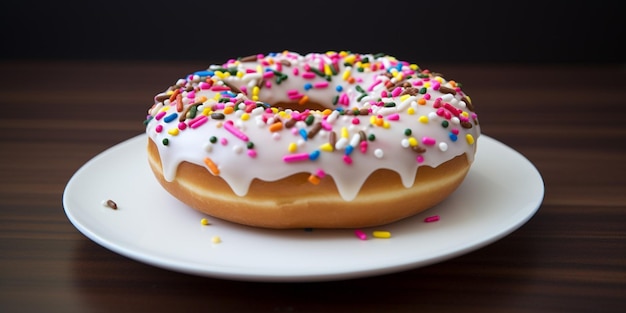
pixel 502 191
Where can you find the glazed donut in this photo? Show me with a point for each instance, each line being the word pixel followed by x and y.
pixel 322 140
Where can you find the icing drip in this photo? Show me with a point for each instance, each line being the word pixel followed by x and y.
pixel 380 113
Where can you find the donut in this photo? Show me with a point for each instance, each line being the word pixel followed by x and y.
pixel 319 140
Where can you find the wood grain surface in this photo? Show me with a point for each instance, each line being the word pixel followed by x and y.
pixel 569 120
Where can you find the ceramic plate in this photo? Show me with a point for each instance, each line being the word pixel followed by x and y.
pixel 502 191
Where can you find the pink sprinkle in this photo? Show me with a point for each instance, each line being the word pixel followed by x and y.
pixel 396 91
pixel 452 109
pixel 160 115
pixel 323 84
pixel 182 125
pixel 268 74
pixel 196 122
pixel 219 88
pixel 295 96
pixel 204 85
pixel 429 141
pixel 419 159
pixel 347 159
pixel 431 219
pixel 159 128
pixel 356 121
pixel 292 91
pixel 224 141
pixel 235 131
pixel 455 131
pixel 308 75
pixel 360 234
pixel 393 117
pixel 191 95
pixel 427 96
pixel 268 84
pixel 436 85
pixel 244 90
pixel 296 157
pixel 371 87
pixel 363 146
pixel 437 103
pixel 252 153
pixel 295 71
pixel 320 173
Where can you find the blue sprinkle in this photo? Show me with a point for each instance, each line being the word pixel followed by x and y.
pixel 303 133
pixel 204 73
pixel 314 155
pixel 170 117
pixel 349 150
pixel 453 137
pixel 339 88
pixel 308 86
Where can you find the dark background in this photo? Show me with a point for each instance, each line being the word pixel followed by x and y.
pixel 418 31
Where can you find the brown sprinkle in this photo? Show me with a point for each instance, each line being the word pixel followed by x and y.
pixel 444 89
pixel 111 204
pixel 250 58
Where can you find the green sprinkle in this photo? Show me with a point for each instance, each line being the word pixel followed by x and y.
pixel 359 89
pixel 371 137
pixel 408 132
pixel 445 124
pixel 213 139
pixel 422 90
pixel 250 145
pixel 390 104
pixel 309 120
pixel 335 100
pixel 166 141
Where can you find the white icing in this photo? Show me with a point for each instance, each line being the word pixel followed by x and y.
pixel 239 164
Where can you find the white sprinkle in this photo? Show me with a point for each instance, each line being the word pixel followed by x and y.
pixel 378 153
pixel 443 146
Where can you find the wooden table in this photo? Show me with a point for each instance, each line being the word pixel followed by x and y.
pixel 570 257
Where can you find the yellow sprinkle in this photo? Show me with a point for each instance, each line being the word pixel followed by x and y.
pixel 465 114
pixel 327 147
pixel 381 234
pixel 350 59
pixel 327 70
pixel 204 221
pixel 412 141
pixel 386 124
pixel 245 116
pixel 346 74
pixel 470 139
pixel 259 69
pixel 404 97
pixel 164 109
pixel 414 67
pixel 206 111
pixel 292 147
pixel 239 74
pixel 427 84
pixel 344 132
pixel 220 74
pixel 216 239
pixel 173 131
pixel 410 111
pixel 439 79
pixel 423 119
